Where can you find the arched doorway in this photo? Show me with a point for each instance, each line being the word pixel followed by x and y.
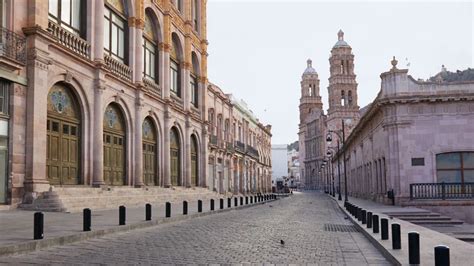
pixel 194 162
pixel 149 153
pixel 63 137
pixel 114 146
pixel 175 158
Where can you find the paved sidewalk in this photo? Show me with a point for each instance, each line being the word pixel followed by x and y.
pixel 248 235
pixel 17 225
pixel 461 253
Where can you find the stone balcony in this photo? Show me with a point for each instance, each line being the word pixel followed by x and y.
pixel 69 40
pixel 118 68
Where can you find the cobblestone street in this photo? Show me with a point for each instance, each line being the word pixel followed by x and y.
pixel 250 235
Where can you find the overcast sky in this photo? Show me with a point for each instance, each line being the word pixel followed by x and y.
pixel 258 49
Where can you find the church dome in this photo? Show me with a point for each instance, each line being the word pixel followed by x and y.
pixel 340 40
pixel 309 68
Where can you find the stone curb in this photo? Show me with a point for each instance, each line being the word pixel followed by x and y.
pixel 393 260
pixel 33 245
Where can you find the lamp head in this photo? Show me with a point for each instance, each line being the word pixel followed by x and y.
pixel 328 137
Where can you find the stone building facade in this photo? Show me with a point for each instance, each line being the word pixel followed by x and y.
pixel 106 93
pixel 314 124
pixel 416 133
pixel 239 146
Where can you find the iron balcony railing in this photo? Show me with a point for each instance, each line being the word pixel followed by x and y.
pixel 252 152
pixel 239 146
pixel 229 146
pixel 12 46
pixel 442 191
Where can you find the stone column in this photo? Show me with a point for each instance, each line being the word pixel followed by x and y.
pixel 166 150
pixel 138 51
pixel 98 156
pixel 36 113
pixel 98 41
pixel 138 163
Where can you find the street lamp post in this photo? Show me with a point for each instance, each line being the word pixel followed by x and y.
pixel 344 158
pixel 339 171
pixel 342 138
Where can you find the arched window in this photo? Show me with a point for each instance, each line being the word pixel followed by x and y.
pixel 219 127
pixel 69 14
pixel 194 81
pixel 455 167
pixel 310 91
pixel 342 67
pixel 115 31
pixel 150 50
pixel 343 98
pixel 226 130
pixel 211 120
pixel 350 98
pixel 175 66
pixel 179 5
pixel 195 10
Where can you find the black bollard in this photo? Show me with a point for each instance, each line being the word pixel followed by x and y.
pixel 375 224
pixel 413 248
pixel 168 209
pixel 384 228
pixel 241 201
pixel 441 255
pixel 359 214
pixel 364 217
pixel 236 202
pixel 122 215
pixel 185 207
pixel 396 236
pixel 86 220
pixel 246 200
pixel 38 225
pixel 148 212
pixel 199 205
pixel 255 199
pixel 251 200
pixel 369 219
pixel 221 204
pixel 229 202
pixel 212 205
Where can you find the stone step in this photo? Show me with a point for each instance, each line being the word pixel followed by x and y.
pixel 408 213
pixel 402 216
pixel 425 218
pixel 442 222
pixel 74 199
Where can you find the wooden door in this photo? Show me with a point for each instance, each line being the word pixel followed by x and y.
pixel 63 138
pixel 175 158
pixel 149 153
pixel 114 147
pixel 194 162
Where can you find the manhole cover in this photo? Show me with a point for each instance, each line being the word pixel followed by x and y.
pixel 340 228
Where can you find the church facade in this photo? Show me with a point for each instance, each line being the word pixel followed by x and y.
pixel 315 125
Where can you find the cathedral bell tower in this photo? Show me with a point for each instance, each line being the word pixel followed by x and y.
pixel 342 88
pixel 310 100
